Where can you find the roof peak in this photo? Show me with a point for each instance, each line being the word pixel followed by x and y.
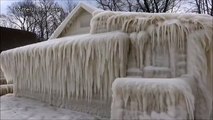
pixel 81 5
pixel 90 8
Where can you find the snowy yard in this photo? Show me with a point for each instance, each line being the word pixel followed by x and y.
pixel 27 109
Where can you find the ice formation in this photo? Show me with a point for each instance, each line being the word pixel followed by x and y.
pixel 200 65
pixel 165 46
pixel 73 67
pixel 171 51
pixel 135 98
pixel 5 89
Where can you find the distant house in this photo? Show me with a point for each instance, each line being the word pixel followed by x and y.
pixel 77 22
pixel 12 38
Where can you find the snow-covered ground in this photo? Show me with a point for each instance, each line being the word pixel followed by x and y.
pixel 27 109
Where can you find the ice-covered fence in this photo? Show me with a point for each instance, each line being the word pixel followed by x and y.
pixel 71 68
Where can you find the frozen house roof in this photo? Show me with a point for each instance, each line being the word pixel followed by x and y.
pixel 72 15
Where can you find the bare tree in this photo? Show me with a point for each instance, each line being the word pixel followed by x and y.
pixel 152 6
pixel 70 5
pixel 47 9
pixel 4 22
pixel 113 5
pixel 41 17
pixel 21 14
pixel 202 6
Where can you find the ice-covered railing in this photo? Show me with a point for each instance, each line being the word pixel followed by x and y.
pixel 135 22
pixel 158 40
pixel 77 67
pixel 164 32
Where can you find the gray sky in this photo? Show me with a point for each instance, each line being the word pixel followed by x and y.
pixel 5 3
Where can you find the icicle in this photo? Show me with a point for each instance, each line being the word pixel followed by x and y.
pixel 85 66
pixel 139 41
pixel 198 65
pixel 70 68
pixel 151 92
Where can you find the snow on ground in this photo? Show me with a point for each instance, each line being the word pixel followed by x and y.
pixel 27 109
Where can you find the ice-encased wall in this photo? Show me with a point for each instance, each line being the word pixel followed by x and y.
pixel 166 45
pixel 78 67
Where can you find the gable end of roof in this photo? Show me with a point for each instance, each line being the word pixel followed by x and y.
pixel 90 9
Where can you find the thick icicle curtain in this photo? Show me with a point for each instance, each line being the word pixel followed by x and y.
pixel 184 40
pixel 200 65
pixel 165 32
pixel 155 37
pixel 135 22
pixel 152 98
pixel 77 67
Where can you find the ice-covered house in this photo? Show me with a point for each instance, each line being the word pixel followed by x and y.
pixel 130 66
pixel 77 22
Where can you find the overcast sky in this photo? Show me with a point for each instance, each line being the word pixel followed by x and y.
pixel 5 3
